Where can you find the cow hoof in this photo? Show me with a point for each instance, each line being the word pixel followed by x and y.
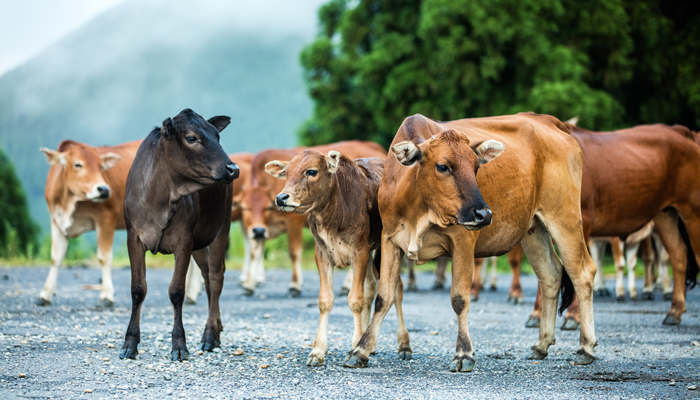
pixel 648 296
pixel 294 292
pixel 190 301
pixel 210 345
pixel 532 322
pixel 248 291
pixel 462 364
pixel 668 296
pixel 344 292
pixel 315 360
pixel 583 358
pixel 179 354
pixel 569 324
pixel 537 354
pixel 518 300
pixel 412 287
pixel 129 351
pixel 493 288
pixel 620 299
pixel 475 298
pixel 438 285
pixel 405 354
pixel 671 320
pixel 356 361
pixel 633 297
pixel 105 303
pixel 42 302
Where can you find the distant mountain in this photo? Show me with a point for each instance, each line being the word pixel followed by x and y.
pixel 125 71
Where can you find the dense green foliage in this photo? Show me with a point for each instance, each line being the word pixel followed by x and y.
pixel 613 63
pixel 18 232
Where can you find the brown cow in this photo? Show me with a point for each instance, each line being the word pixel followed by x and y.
pixel 85 191
pixel 634 175
pixel 431 204
pixel 262 220
pixel 339 198
pixel 178 201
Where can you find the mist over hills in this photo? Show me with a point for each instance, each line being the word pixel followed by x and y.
pixel 125 71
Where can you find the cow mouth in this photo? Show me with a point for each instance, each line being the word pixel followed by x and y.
pixel 474 226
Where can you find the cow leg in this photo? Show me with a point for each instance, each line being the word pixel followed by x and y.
pixel 217 268
pixel 246 257
pixel 325 304
pixel 533 321
pixel 405 352
pixel 294 235
pixel 663 281
pixel 493 276
pixel 480 267
pixel 411 266
pixel 440 273
pixel 569 238
pixel 347 282
pixel 631 261
pixel 515 258
pixel 666 225
pixel 462 279
pixel 545 263
pixel 649 264
pixel 596 248
pixel 357 292
pixel 389 278
pixel 257 257
pixel 137 258
pixel 105 240
pixel 193 283
pixel 176 292
pixel 370 294
pixel 617 248
pixel 59 246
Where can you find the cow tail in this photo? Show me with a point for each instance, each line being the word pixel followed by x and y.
pixel 691 270
pixel 567 291
pixel 377 259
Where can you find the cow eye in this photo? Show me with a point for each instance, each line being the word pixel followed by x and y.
pixel 311 172
pixel 191 139
pixel 442 168
pixel 78 165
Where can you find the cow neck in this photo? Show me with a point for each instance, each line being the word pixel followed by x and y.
pixel 64 205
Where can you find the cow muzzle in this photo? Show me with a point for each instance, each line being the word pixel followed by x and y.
pixel 475 218
pixel 99 193
pixel 258 233
pixel 284 203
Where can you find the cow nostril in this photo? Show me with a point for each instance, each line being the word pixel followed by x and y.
pixel 232 170
pixel 258 233
pixel 482 215
pixel 281 199
pixel 103 191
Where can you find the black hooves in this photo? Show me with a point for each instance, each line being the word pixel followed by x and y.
pixel 179 354
pixel 438 285
pixel 405 354
pixel 604 292
pixel 537 354
pixel 294 292
pixel 671 320
pixel 190 301
pixel 344 292
pixel 462 364
pixel 583 358
pixel 620 299
pixel 129 351
pixel 493 288
pixel 210 340
pixel 569 324
pixel 668 296
pixel 532 322
pixel 105 303
pixel 515 299
pixel 248 292
pixel 42 302
pixel 356 361
pixel 412 287
pixel 647 295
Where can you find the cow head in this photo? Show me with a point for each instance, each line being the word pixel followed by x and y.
pixel 256 208
pixel 308 178
pixel 446 167
pixel 192 150
pixel 82 170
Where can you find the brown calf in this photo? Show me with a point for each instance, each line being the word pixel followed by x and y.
pixel 445 192
pixel 339 198
pixel 262 220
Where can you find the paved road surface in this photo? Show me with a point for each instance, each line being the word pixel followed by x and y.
pixel 70 349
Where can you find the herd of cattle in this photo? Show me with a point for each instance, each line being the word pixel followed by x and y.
pixel 524 184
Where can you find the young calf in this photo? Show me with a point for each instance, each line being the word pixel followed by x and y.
pixel 178 200
pixel 339 196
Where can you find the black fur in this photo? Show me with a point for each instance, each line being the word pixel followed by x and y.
pixel 567 291
pixel 691 270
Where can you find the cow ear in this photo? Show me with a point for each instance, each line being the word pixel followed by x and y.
pixel 53 156
pixel 108 160
pixel 277 168
pixel 168 129
pixel 220 122
pixel 573 121
pixel 333 159
pixel 488 150
pixel 406 152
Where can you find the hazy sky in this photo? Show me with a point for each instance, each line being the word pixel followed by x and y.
pixel 29 26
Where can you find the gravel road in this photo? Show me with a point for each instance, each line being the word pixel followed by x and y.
pixel 70 349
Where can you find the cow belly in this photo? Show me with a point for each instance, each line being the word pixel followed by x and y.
pixel 337 251
pixel 80 226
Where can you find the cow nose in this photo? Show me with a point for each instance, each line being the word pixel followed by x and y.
pixel 281 199
pixel 103 191
pixel 258 233
pixel 232 170
pixel 482 216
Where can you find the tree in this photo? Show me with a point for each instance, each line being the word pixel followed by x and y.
pixel 613 63
pixel 18 232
